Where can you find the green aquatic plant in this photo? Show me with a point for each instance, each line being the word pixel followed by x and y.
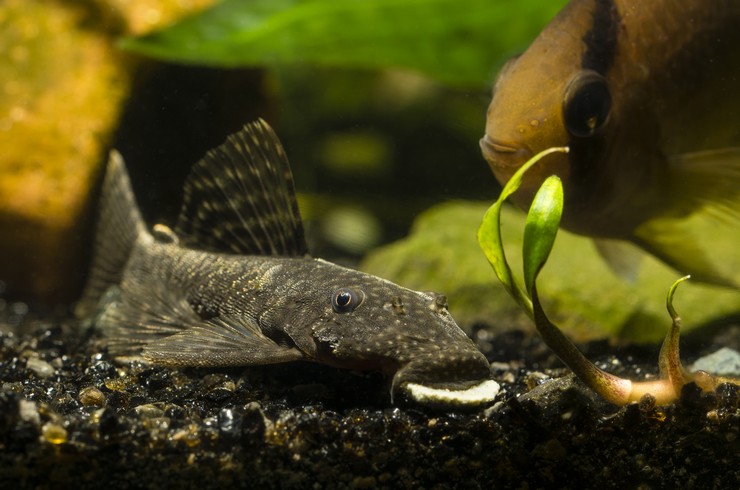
pixel 453 41
pixel 543 221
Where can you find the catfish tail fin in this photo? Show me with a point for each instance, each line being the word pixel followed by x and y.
pixel 119 224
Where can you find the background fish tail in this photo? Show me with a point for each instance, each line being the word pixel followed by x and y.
pixel 119 224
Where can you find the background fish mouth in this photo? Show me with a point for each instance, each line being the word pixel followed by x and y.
pixel 501 153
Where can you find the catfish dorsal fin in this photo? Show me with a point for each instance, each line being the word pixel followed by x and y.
pixel 119 224
pixel 240 198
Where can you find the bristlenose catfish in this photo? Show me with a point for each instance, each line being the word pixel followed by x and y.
pixel 647 96
pixel 233 285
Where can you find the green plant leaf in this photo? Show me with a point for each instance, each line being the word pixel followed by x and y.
pixel 489 233
pixel 460 42
pixel 541 228
pixel 669 299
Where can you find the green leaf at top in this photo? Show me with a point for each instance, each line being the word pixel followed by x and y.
pixel 456 41
pixel 543 220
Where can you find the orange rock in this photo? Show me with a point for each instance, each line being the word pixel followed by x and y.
pixel 62 87
pixel 142 16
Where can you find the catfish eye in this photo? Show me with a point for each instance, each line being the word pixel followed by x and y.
pixel 587 104
pixel 345 300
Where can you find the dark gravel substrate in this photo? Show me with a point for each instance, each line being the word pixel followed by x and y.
pixel 70 417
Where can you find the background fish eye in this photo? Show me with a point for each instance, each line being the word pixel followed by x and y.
pixel 587 104
pixel 345 300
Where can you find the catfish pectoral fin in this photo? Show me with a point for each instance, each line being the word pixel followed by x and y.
pixel 219 342
pixel 164 329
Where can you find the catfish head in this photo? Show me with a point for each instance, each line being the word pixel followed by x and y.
pixel 349 319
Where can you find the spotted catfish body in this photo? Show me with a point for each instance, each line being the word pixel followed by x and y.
pixel 233 285
pixel 646 95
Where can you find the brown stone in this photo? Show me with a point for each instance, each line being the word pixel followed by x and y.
pixel 62 86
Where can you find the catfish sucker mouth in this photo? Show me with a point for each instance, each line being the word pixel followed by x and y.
pixel 453 379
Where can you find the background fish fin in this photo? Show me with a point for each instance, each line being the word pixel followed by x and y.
pixel 164 328
pixel 677 246
pixel 119 223
pixel 708 179
pixel 622 257
pixel 240 198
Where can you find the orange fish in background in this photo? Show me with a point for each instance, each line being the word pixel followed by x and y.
pixel 647 97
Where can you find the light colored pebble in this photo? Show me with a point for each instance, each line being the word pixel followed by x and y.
pixel 29 411
pixel 41 368
pixel 724 362
pixel 90 396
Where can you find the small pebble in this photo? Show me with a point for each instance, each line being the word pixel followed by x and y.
pixel 364 482
pixel 42 368
pixel 92 397
pixel 29 411
pixel 54 433
pixel 117 384
pixel 724 362
pixel 149 411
